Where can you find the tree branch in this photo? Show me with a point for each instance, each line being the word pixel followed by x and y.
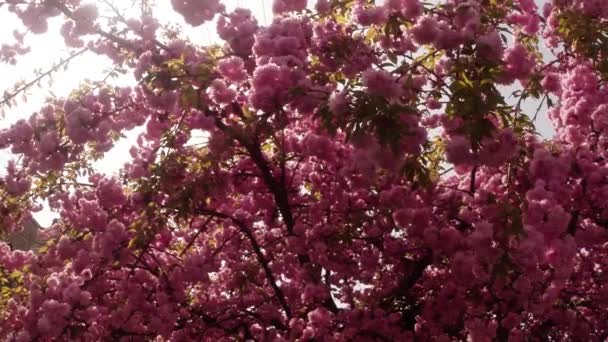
pixel 473 176
pixel 259 254
pixel 10 96
pixel 120 41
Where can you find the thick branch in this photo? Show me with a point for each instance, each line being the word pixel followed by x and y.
pixel 278 190
pixel 473 180
pixel 571 229
pixel 574 218
pixel 260 256
pixel 253 148
pixel 414 271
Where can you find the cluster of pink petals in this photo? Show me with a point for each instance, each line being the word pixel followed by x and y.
pixel 313 208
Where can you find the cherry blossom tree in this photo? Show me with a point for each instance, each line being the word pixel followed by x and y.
pixel 364 177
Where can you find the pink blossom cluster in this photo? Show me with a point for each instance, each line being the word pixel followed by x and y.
pixel 197 12
pixel 338 49
pixel 369 15
pixel 381 83
pixel 237 29
pixel 493 151
pixel 361 178
pixel 280 52
pixel 281 6
pixel 233 69
pixel 527 17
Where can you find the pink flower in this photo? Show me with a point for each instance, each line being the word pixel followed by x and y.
pixel 518 63
pixel 425 31
pixel 527 5
pixel 373 15
pixel 551 82
pixel 458 150
pixel 490 46
pixel 197 12
pixel 49 141
pixel 281 6
pixel 233 69
pixel 270 86
pixel 381 83
pixel 237 29
pixel 22 131
pixel 220 93
pixel 322 6
pixel 78 124
pixel 109 193
pixel 411 9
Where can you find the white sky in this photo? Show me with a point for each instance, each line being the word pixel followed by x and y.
pixel 48 49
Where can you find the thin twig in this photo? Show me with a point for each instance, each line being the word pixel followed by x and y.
pixel 126 22
pixel 17 91
pixel 120 41
pixel 539 107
